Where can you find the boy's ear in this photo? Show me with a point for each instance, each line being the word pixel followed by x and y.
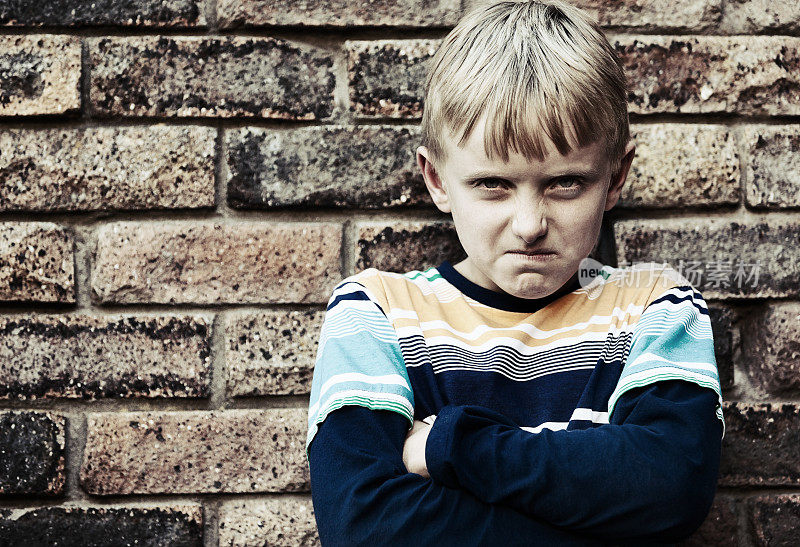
pixel 618 178
pixel 434 184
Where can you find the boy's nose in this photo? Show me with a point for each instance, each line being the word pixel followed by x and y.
pixel 529 223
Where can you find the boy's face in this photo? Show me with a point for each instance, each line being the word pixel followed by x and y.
pixel 504 212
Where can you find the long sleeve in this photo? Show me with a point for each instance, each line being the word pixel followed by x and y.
pixel 363 494
pixel 650 474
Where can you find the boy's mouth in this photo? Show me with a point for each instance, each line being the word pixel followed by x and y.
pixel 529 257
pixel 539 252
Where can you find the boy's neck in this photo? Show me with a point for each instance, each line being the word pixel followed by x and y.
pixel 501 299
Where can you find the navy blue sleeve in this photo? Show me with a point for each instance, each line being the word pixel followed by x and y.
pixel 649 474
pixel 363 494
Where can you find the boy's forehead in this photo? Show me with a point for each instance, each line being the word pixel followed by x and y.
pixel 473 157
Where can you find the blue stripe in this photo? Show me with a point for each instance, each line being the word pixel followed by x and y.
pixel 675 299
pixel 358 295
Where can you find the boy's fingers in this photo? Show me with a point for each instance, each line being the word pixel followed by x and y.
pixel 416 427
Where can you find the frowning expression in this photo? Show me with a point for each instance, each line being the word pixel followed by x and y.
pixel 525 225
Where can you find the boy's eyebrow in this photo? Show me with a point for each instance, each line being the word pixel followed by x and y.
pixel 589 174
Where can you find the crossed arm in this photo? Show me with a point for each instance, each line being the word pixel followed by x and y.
pixel 649 475
pixel 363 495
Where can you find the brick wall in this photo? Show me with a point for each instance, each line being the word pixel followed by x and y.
pixel 182 183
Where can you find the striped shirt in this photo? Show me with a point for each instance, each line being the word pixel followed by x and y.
pixel 414 342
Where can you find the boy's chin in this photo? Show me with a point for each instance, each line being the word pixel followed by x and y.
pixel 532 289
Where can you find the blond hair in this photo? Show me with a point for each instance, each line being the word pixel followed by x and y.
pixel 539 70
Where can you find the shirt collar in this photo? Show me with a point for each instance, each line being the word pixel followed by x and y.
pixel 503 300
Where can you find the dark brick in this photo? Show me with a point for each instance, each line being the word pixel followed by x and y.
pixel 167 526
pixel 220 77
pixel 720 527
pixel 743 74
pixel 161 13
pixel 369 167
pixel 775 520
pixel 722 328
pixel 760 445
pixel 31 453
pixel 104 356
pixel 338 13
pixel 406 246
pixel 699 248
pixel 771 348
pixel 36 262
pixel 387 77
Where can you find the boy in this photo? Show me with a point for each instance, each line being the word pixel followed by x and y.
pixel 554 413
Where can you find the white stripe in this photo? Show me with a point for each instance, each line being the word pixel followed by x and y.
pixel 402 314
pixel 554 426
pixel 512 343
pixel 587 414
pixel 360 305
pixel 677 373
pixel 697 365
pixel 371 395
pixel 657 328
pixel 440 288
pixel 516 378
pixel 390 379
pixel 630 312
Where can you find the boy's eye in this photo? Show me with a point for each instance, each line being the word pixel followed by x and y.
pixel 490 184
pixel 568 184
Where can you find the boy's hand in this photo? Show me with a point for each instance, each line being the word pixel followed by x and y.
pixel 414 449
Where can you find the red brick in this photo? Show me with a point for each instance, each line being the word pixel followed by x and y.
pixel 195 452
pixel 276 521
pixel 772 166
pixel 271 353
pixel 722 258
pixel 209 263
pixel 682 165
pixel 720 528
pixel 39 74
pixel 771 348
pixel 370 167
pixel 78 13
pixel 387 76
pixel 107 168
pixel 405 246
